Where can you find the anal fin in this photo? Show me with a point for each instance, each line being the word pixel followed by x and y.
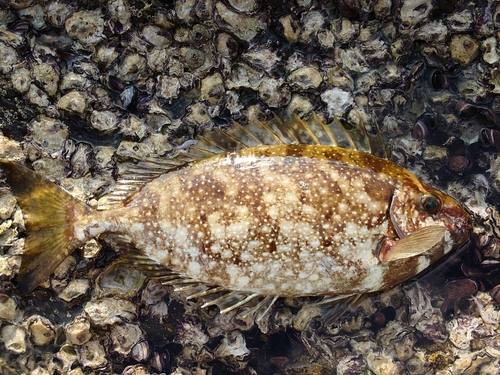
pixel 210 295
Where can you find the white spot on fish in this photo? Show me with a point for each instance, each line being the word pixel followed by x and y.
pixel 194 269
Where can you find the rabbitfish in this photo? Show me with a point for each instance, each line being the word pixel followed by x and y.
pixel 286 220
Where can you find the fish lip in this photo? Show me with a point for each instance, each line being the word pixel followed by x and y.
pixel 466 227
pixel 465 224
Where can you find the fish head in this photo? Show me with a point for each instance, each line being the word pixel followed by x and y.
pixel 414 209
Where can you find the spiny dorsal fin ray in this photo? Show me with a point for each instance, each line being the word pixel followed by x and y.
pixel 290 129
pixel 244 134
pixel 132 176
pixel 310 133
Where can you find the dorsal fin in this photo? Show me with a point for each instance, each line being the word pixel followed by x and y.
pixel 261 130
pixel 289 129
pixel 133 175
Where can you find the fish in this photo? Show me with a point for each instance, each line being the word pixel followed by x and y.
pixel 278 208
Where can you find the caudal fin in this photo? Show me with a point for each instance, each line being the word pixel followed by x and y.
pixel 48 212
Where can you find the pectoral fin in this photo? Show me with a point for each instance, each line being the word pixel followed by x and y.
pixel 412 245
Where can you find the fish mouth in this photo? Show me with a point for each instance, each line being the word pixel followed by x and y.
pixel 462 221
pixel 466 221
pixel 465 226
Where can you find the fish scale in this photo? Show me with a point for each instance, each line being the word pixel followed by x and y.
pixel 283 220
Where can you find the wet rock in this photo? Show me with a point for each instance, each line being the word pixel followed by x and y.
pixel 109 311
pixel 7 206
pixel 132 68
pixel 232 350
pixel 456 289
pixel 37 96
pixel 21 80
pixel 78 331
pixel 264 59
pixel 104 121
pixel 8 309
pixel 57 13
pixel 92 355
pixel 48 133
pixel 136 370
pixel 41 330
pixel 337 77
pixel 227 46
pixel 75 290
pixel 40 371
pixel 414 11
pixel 424 317
pixel 156 36
pixel 291 28
pixel 243 27
pixel 353 60
pixel 168 87
pixel 54 169
pixel 86 26
pixel 124 337
pixel 74 102
pixel 9 58
pixel 351 364
pixel 344 31
pixel 490 54
pixel 337 101
pixel 10 149
pixel 312 21
pixel 461 330
pixel 14 338
pixel 464 49
pixel 246 6
pixel 381 364
pixel 433 32
pixel 306 78
pixel 120 280
pixel 46 76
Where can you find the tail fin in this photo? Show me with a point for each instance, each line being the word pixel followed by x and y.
pixel 48 212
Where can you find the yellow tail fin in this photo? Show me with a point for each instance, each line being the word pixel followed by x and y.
pixel 48 214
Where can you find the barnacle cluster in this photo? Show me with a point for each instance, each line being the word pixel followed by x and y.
pixel 85 85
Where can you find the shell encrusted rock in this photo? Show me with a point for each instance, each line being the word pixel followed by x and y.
pixel 86 87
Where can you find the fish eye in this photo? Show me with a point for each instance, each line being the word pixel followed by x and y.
pixel 431 203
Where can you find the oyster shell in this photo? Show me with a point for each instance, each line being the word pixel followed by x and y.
pixel 85 26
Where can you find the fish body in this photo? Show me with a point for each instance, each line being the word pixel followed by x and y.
pixel 279 220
